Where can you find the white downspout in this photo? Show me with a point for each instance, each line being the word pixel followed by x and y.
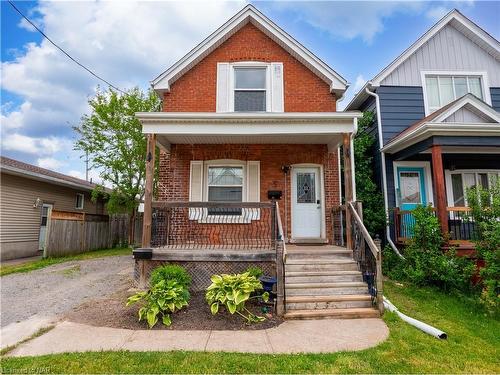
pixel 384 176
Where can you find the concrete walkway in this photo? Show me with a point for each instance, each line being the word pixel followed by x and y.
pixel 300 336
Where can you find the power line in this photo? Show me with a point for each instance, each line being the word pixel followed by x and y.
pixel 63 51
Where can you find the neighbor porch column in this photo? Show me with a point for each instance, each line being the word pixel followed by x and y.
pixel 148 190
pixel 439 187
pixel 348 185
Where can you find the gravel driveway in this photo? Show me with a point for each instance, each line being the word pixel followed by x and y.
pixel 54 290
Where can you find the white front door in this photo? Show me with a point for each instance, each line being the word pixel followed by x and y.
pixel 306 203
pixel 46 208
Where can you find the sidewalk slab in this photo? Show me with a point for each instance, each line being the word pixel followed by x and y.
pixel 301 336
pixel 15 332
pixel 239 341
pixel 167 340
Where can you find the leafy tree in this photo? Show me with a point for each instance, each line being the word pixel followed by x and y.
pixel 112 137
pixel 367 190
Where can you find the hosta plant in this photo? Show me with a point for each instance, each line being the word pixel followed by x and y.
pixel 162 299
pixel 232 292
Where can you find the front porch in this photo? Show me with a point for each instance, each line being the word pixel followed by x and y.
pixel 436 160
pixel 235 190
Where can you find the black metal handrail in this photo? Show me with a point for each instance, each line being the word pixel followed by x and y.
pixel 367 253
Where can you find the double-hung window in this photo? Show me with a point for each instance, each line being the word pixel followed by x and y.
pixel 250 89
pixel 225 184
pixel 443 89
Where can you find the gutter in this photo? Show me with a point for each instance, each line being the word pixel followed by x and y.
pixel 384 176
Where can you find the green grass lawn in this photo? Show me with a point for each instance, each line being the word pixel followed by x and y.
pixel 473 346
pixel 37 264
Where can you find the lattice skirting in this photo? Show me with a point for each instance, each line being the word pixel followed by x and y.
pixel 201 271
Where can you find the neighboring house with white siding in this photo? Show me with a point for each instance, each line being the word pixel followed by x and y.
pixel 27 195
pixel 437 125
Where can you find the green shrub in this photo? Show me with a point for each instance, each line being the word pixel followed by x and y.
pixel 485 205
pixel 233 291
pixel 255 271
pixel 162 299
pixel 170 272
pixel 425 262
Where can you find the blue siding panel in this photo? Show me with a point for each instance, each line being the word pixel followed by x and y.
pixel 495 98
pixel 400 107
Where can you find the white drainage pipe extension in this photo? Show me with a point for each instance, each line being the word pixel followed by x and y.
pixel 414 322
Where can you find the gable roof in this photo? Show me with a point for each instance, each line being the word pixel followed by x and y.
pixel 249 13
pixel 454 18
pixel 436 124
pixel 16 167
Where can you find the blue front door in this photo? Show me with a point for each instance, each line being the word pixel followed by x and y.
pixel 411 192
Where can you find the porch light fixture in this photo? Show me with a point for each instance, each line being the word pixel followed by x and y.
pixel 37 202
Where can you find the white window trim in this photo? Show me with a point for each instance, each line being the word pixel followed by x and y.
pixel 484 83
pixel 449 187
pixel 83 201
pixel 250 64
pixel 225 219
pixel 427 175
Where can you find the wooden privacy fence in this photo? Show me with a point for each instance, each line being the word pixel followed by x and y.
pixel 75 232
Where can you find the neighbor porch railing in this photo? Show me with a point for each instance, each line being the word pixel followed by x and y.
pixel 214 225
pixel 461 224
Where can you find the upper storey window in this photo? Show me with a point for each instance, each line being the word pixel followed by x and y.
pixel 250 86
pixel 441 90
pixel 250 89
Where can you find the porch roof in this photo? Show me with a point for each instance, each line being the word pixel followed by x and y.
pixel 249 128
pixel 467 116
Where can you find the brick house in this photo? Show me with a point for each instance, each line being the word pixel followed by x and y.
pixel 249 146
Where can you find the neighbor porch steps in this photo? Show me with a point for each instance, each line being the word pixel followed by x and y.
pixel 325 282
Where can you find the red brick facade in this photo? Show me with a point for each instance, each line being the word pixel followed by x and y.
pixel 173 182
pixel 303 92
pixel 195 91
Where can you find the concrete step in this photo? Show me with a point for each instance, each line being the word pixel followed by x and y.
pixel 322 273
pixel 354 276
pixel 336 265
pixel 319 254
pixel 325 289
pixel 333 313
pixel 328 302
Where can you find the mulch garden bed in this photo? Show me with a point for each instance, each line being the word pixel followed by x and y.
pixel 112 312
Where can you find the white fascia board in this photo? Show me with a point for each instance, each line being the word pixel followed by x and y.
pixel 336 81
pixel 232 129
pixel 453 15
pixel 41 177
pixel 246 116
pixel 429 129
pixel 473 101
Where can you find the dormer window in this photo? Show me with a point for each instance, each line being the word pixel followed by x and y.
pixel 442 89
pixel 250 89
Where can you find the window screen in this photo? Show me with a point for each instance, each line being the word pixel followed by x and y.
pixel 442 90
pixel 250 89
pixel 225 184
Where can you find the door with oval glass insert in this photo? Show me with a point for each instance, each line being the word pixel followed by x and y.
pixel 306 203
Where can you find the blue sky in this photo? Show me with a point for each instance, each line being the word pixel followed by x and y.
pixel 129 43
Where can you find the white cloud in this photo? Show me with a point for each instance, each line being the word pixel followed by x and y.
pixel 360 82
pixel 35 146
pixel 128 43
pixel 93 176
pixel 50 163
pixel 436 13
pixel 349 19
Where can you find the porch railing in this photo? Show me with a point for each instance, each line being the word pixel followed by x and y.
pixel 214 225
pixel 461 224
pixel 367 253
